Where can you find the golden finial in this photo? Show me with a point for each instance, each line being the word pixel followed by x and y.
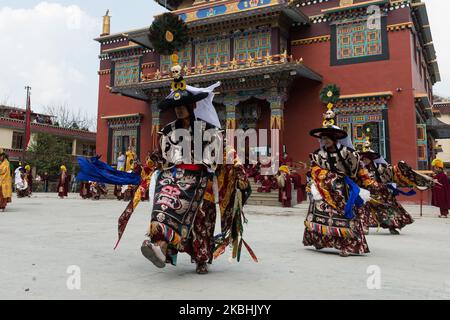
pixel 284 56
pixel 157 74
pixel 233 63
pixel 106 24
pixel 216 64
pixel 200 68
pixel 250 61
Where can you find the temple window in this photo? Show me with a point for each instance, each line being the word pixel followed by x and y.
pixel 209 53
pixel 255 45
pixel 422 146
pixel 185 59
pixel 353 41
pixel 17 140
pixel 363 125
pixel 126 71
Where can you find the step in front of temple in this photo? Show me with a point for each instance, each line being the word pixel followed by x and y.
pixel 110 195
pixel 263 198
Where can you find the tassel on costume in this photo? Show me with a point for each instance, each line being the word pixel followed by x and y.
pixel 346 233
pixel 234 236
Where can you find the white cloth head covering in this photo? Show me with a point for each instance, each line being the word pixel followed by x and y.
pixel 380 160
pixel 204 108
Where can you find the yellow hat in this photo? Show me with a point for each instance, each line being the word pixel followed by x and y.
pixel 284 169
pixel 438 163
pixel 63 168
pixel 150 163
pixel 27 167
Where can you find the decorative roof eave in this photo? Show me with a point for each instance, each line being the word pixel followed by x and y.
pixel 41 127
pixel 438 148
pixel 443 107
pixel 131 45
pixel 295 69
pixel 115 36
pixel 366 96
pixel 123 116
pixel 140 37
pixel 353 6
pixel 133 92
pixel 436 75
pixel 424 102
pixel 438 129
pixel 167 4
pixel 423 27
pixel 295 14
pixel 436 112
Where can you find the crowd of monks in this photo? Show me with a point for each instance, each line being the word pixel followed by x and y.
pixel 286 179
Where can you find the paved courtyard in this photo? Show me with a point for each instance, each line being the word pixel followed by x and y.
pixel 41 237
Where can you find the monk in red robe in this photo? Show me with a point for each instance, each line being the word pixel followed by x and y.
pixel 441 190
pixel 297 180
pixel 266 185
pixel 285 187
pixel 63 184
pixel 286 160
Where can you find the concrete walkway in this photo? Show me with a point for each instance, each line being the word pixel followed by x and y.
pixel 43 238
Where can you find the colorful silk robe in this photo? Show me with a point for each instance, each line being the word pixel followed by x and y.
pixel 385 211
pixel 326 224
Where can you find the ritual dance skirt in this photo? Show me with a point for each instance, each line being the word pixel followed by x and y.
pixel 184 212
pixel 326 227
pixel 387 212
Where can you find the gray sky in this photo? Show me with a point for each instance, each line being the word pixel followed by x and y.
pixel 48 45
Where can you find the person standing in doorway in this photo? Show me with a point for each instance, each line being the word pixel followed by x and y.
pixel 441 189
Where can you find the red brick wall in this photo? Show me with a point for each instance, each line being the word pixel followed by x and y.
pixel 113 105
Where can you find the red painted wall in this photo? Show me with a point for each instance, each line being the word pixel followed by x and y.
pixel 388 75
pixel 113 105
pixel 304 110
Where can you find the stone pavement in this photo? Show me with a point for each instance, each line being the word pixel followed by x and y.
pixel 42 237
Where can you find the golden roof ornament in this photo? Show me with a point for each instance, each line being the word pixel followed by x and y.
pixel 106 24
pixel 169 36
pixel 344 3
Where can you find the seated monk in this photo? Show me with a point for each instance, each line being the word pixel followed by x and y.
pixel 266 184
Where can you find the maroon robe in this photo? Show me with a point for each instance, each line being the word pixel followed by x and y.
pixel 286 161
pixel 285 193
pixel 63 185
pixel 85 190
pixel 266 185
pixel 297 180
pixel 30 182
pixel 441 193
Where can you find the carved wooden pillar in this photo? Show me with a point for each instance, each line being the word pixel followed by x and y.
pixel 277 99
pixel 155 123
pixel 230 101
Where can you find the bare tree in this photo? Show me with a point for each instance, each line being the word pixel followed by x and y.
pixel 68 118
pixel 4 101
